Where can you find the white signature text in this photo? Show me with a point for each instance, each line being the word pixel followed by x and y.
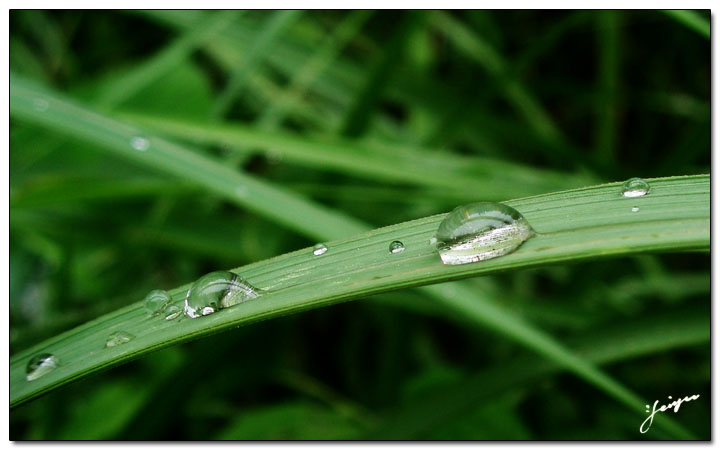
pixel 676 404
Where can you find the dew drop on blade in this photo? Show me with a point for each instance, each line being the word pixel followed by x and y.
pixel 156 301
pixel 118 338
pixel 481 231
pixel 635 187
pixel 396 247
pixel 40 365
pixel 173 312
pixel 215 291
pixel 635 209
pixel 319 249
pixel 139 143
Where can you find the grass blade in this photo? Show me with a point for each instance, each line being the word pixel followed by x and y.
pixel 690 19
pixel 649 335
pixel 276 24
pixel 675 217
pixel 244 190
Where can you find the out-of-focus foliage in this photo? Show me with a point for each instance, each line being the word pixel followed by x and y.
pixel 383 117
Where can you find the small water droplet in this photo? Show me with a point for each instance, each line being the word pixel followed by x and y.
pixel 396 247
pixel 140 143
pixel 635 209
pixel 173 312
pixel 433 240
pixel 40 365
pixel 118 338
pixel 319 249
pixel 481 231
pixel 156 301
pixel 215 291
pixel 41 105
pixel 241 191
pixel 635 187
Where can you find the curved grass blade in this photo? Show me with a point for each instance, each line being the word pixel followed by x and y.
pixel 574 225
pixel 284 207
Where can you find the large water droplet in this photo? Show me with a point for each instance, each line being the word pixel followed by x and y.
pixel 173 312
pixel 319 249
pixel 118 338
pixel 480 231
pixel 140 143
pixel 156 301
pixel 635 187
pixel 40 365
pixel 215 291
pixel 396 247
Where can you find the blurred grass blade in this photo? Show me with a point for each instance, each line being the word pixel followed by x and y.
pixel 675 217
pixel 275 26
pixel 358 116
pixel 609 43
pixel 307 75
pixel 690 19
pixel 473 176
pixel 493 62
pixel 284 207
pixel 623 341
pixel 480 310
pixel 165 60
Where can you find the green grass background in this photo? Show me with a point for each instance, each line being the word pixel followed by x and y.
pixel 379 118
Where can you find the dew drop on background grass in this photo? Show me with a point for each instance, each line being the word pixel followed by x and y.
pixel 215 291
pixel 40 365
pixel 156 301
pixel 173 312
pixel 41 105
pixel 139 143
pixel 635 209
pixel 635 187
pixel 118 338
pixel 319 249
pixel 396 247
pixel 481 231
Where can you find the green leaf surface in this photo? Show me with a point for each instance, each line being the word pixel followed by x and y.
pixel 572 225
pixel 164 156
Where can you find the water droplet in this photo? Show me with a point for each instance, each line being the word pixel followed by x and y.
pixel 41 364
pixel 140 143
pixel 635 209
pixel 635 187
pixel 118 338
pixel 319 249
pixel 480 231
pixel 433 240
pixel 396 247
pixel 173 312
pixel 156 301
pixel 241 191
pixel 215 291
pixel 41 105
